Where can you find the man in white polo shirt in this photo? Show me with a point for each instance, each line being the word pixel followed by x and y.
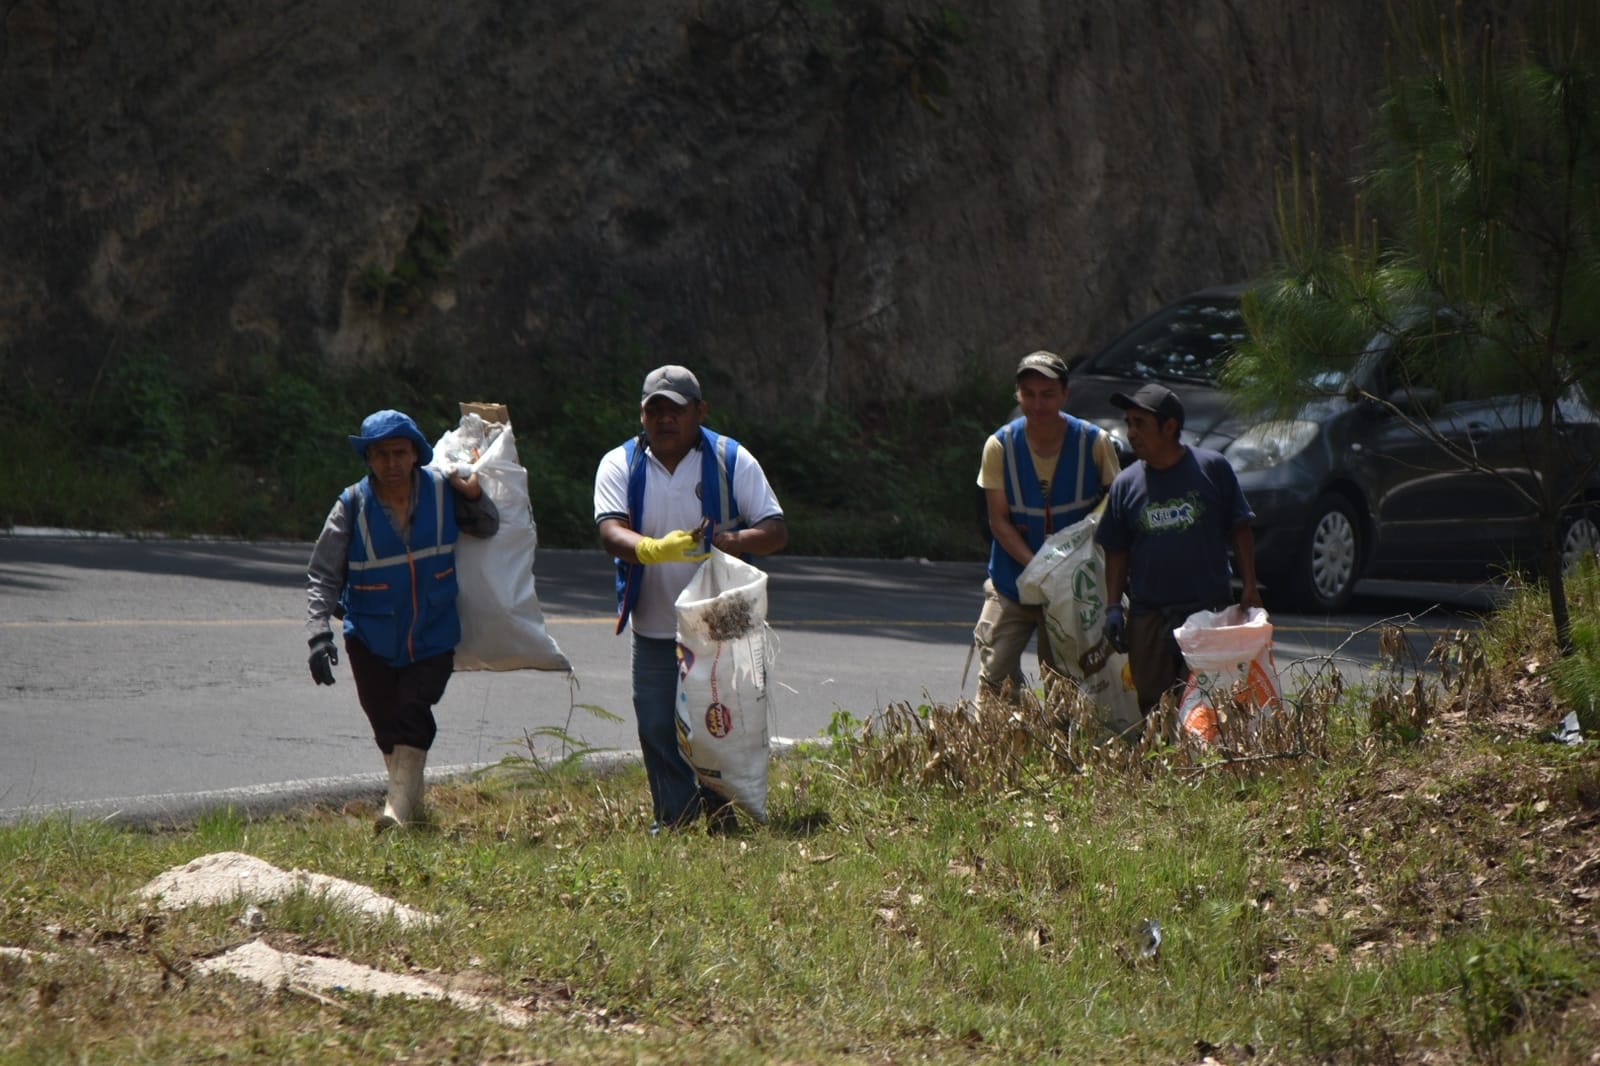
pixel 661 501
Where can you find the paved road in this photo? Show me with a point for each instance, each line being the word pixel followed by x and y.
pixel 159 674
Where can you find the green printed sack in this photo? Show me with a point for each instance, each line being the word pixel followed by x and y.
pixel 1067 577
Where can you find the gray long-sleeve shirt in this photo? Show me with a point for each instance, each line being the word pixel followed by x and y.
pixel 330 558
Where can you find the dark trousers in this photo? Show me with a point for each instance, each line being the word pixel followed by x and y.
pixel 1154 660
pixel 399 699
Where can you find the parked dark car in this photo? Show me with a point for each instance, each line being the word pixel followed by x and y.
pixel 1347 489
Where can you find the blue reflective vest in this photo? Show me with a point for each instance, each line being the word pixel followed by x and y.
pixel 399 599
pixel 1074 490
pixel 718 454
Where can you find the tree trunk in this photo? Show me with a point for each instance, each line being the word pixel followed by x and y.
pixel 1556 581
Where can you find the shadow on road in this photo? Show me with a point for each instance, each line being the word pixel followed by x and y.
pixel 904 599
pixel 272 564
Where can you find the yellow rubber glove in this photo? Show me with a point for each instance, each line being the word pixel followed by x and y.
pixel 679 546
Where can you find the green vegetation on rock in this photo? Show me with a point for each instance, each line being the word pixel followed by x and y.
pixel 259 451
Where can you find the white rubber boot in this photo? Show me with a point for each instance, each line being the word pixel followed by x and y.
pixel 404 798
pixel 390 818
pixel 410 763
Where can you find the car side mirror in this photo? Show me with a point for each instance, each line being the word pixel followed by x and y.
pixel 1415 398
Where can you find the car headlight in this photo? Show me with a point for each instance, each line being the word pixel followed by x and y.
pixel 1269 443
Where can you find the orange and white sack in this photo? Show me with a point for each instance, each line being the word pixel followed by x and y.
pixel 1229 652
pixel 722 680
pixel 1067 576
pixel 502 624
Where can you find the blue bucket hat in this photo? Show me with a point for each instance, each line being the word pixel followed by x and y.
pixel 382 425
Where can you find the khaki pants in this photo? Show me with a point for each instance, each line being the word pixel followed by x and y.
pixel 1001 636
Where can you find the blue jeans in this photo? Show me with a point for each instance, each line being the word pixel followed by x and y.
pixel 674 789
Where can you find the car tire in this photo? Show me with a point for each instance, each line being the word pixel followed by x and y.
pixel 1328 563
pixel 1580 533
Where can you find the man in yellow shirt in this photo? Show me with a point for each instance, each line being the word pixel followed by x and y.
pixel 1041 473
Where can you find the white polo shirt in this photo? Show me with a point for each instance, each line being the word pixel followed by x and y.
pixel 671 502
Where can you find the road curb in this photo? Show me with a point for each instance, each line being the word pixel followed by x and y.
pixel 171 810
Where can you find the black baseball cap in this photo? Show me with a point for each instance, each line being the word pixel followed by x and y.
pixel 1157 399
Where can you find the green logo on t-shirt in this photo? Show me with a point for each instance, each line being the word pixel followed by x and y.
pixel 1171 516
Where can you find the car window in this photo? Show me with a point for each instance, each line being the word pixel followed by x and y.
pixel 1188 342
pixel 1417 361
pixel 1458 365
pixel 1490 370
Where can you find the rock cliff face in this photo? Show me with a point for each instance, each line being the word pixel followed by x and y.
pixel 760 188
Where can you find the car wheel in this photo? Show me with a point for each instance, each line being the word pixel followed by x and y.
pixel 1580 536
pixel 1329 563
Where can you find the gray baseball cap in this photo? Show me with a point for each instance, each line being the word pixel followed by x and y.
pixel 1049 364
pixel 676 383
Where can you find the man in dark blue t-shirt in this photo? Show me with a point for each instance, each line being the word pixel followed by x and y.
pixel 1170 519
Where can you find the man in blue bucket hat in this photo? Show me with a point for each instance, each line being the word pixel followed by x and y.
pixel 385 564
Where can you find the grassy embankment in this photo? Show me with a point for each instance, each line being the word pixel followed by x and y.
pixel 1406 872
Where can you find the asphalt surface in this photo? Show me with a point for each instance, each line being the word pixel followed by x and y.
pixel 151 678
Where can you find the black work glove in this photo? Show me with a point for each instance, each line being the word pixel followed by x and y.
pixel 1116 630
pixel 324 657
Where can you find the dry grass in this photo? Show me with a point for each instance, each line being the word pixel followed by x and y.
pixel 1028 737
pixel 1443 818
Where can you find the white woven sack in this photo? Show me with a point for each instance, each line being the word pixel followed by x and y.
pixel 1067 576
pixel 722 680
pixel 1228 652
pixel 502 623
